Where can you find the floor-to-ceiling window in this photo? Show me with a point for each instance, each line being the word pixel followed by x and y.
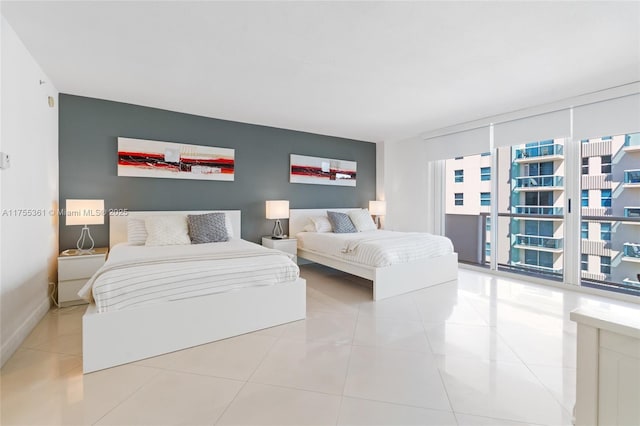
pixel 557 195
pixel 531 202
pixel 610 208
pixel 467 206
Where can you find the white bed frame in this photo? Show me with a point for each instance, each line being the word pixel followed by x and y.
pixel 119 337
pixel 388 281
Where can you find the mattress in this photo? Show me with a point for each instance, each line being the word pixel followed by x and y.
pixel 135 276
pixel 376 248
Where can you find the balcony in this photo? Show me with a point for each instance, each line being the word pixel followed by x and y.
pixel 536 242
pixel 632 143
pixel 538 268
pixel 632 178
pixel 595 247
pixel 631 283
pixel 631 252
pixel 633 212
pixel 537 183
pixel 544 152
pixel 539 210
pixel 593 276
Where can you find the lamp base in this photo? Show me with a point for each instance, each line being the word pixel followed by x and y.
pixel 83 239
pixel 278 233
pixel 378 224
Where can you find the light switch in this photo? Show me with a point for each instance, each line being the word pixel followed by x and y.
pixel 4 161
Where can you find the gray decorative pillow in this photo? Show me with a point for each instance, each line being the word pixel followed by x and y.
pixel 207 228
pixel 341 223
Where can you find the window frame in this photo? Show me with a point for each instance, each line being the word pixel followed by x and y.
pixel 605 266
pixel 584 227
pixel 585 167
pixel 605 233
pixel 605 166
pixel 605 201
pixel 485 173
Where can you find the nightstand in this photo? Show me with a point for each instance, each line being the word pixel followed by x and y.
pixel 74 270
pixel 287 245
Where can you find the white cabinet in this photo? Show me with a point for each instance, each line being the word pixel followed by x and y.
pixel 74 270
pixel 608 367
pixel 287 245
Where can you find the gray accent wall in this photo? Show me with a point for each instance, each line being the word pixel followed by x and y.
pixel 89 129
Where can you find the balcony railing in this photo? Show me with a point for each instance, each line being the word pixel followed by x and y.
pixel 632 283
pixel 632 176
pixel 538 241
pixel 538 151
pixel 631 250
pixel 632 142
pixel 548 210
pixel 538 268
pixel 632 212
pixel 539 181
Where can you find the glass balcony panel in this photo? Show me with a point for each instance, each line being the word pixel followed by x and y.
pixel 538 241
pixel 632 176
pixel 632 212
pixel 539 151
pixel 539 181
pixel 632 283
pixel 631 250
pixel 543 210
pixel 538 268
pixel 632 140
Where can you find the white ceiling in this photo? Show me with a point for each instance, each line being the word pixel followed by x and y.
pixel 364 70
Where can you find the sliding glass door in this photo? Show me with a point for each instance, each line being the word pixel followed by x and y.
pixel 468 183
pixel 610 207
pixel 557 195
pixel 531 203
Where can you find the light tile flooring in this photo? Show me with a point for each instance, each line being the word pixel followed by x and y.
pixel 479 351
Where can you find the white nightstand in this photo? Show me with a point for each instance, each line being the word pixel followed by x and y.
pixel 287 245
pixel 74 270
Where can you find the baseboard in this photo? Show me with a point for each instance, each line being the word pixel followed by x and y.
pixel 13 343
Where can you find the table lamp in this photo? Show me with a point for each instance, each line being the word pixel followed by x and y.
pixel 84 212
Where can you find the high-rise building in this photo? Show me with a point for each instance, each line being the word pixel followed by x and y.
pixel 531 204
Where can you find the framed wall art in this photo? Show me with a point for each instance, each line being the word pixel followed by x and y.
pixel 322 171
pixel 155 159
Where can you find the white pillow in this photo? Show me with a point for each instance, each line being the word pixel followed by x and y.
pixel 309 228
pixel 321 223
pixel 362 220
pixel 227 222
pixel 136 231
pixel 167 230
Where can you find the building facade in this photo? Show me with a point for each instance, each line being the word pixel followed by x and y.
pixel 531 204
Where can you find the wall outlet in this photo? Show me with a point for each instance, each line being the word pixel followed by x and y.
pixel 5 162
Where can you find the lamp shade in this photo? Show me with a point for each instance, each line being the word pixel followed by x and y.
pixel 378 208
pixel 277 209
pixel 84 212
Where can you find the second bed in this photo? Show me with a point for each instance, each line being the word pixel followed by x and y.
pixel 396 262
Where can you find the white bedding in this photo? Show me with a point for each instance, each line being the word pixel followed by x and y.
pixel 139 275
pixel 376 248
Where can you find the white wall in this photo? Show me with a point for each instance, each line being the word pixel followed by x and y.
pixel 28 245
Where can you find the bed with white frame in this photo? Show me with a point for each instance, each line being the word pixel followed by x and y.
pixel 388 281
pixel 119 337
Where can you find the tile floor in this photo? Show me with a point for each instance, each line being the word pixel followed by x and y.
pixel 479 351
